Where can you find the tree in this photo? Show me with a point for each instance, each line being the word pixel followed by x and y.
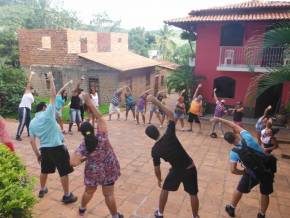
pixel 101 22
pixel 165 43
pixel 190 37
pixel 141 41
pixel 183 79
pixel 182 54
pixel 278 36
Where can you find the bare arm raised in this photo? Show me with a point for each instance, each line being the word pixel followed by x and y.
pixel 65 85
pixel 168 112
pixel 196 91
pixel 236 128
pixel 214 95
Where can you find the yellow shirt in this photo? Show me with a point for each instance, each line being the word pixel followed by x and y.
pixel 195 107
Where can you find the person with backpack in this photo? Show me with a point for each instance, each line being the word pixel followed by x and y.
pixel 259 167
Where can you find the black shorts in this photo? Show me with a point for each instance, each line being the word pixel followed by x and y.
pixel 192 117
pixel 187 176
pixel 55 157
pixel 248 182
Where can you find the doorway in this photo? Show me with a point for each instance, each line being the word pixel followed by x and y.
pixel 271 96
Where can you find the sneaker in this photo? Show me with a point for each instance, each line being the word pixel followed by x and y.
pixel 161 126
pixel 41 193
pixel 120 215
pixel 222 136
pixel 69 199
pixel 261 215
pixel 230 210
pixel 213 135
pixel 18 138
pixel 157 215
pixel 82 211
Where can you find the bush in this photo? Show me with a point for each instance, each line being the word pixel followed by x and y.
pixel 16 188
pixel 12 84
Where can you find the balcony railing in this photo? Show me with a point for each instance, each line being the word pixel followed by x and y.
pixel 256 59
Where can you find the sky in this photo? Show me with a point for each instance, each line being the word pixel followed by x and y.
pixel 146 13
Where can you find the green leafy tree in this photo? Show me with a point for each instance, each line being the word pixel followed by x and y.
pixel 12 83
pixel 182 54
pixel 278 36
pixel 190 37
pixel 140 41
pixel 165 43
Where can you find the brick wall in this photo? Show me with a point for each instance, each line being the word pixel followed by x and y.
pixel 74 38
pixel 104 42
pixel 119 42
pixel 32 53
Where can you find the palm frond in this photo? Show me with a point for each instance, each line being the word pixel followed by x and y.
pixel 279 35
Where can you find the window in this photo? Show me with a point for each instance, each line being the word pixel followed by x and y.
pixel 225 87
pixel 46 42
pixel 84 45
pixel 148 79
pixel 232 34
pixel 120 40
pixel 94 83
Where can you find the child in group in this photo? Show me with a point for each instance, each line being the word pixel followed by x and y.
pixel 238 114
pixel 268 141
pixel 179 112
pixel 130 102
pixel 141 106
pixel 161 97
pixel 95 99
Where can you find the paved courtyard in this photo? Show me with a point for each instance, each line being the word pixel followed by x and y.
pixel 137 191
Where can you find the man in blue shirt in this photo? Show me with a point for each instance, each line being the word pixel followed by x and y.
pixel 248 179
pixel 53 154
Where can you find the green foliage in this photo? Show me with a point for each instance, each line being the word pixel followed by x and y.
pixel 12 83
pixel 278 36
pixel 165 43
pixel 140 41
pixel 182 54
pixel 190 37
pixel 16 188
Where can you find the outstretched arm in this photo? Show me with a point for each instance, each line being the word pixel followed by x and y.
pixel 52 88
pixel 143 93
pixel 267 110
pixel 235 127
pixel 65 85
pixel 214 95
pixel 28 84
pixel 196 91
pixel 161 106
pixel 101 122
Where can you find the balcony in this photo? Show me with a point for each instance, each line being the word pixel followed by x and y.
pixel 254 59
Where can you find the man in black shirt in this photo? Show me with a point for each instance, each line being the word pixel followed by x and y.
pixel 183 169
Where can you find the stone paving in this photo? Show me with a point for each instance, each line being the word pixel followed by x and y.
pixel 137 191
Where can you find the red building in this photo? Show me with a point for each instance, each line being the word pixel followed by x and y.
pixel 222 50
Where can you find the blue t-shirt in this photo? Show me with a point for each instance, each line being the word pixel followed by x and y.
pixel 59 102
pixel 45 128
pixel 251 142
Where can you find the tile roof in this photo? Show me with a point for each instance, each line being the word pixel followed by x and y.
pixel 233 17
pixel 246 11
pixel 121 61
pixel 254 4
pixel 168 65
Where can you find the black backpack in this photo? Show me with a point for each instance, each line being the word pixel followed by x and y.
pixel 260 163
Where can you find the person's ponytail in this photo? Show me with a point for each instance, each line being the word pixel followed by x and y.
pixel 91 141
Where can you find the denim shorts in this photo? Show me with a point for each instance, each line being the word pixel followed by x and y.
pixel 75 116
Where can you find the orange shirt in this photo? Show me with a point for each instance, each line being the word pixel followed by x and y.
pixel 195 107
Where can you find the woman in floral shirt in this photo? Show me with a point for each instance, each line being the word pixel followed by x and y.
pixel 102 166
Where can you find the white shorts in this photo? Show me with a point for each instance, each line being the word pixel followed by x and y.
pixel 114 109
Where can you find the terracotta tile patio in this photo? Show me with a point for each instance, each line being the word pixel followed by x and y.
pixel 137 191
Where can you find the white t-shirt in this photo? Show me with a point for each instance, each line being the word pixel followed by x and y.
pixel 27 100
pixel 95 99
pixel 266 136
